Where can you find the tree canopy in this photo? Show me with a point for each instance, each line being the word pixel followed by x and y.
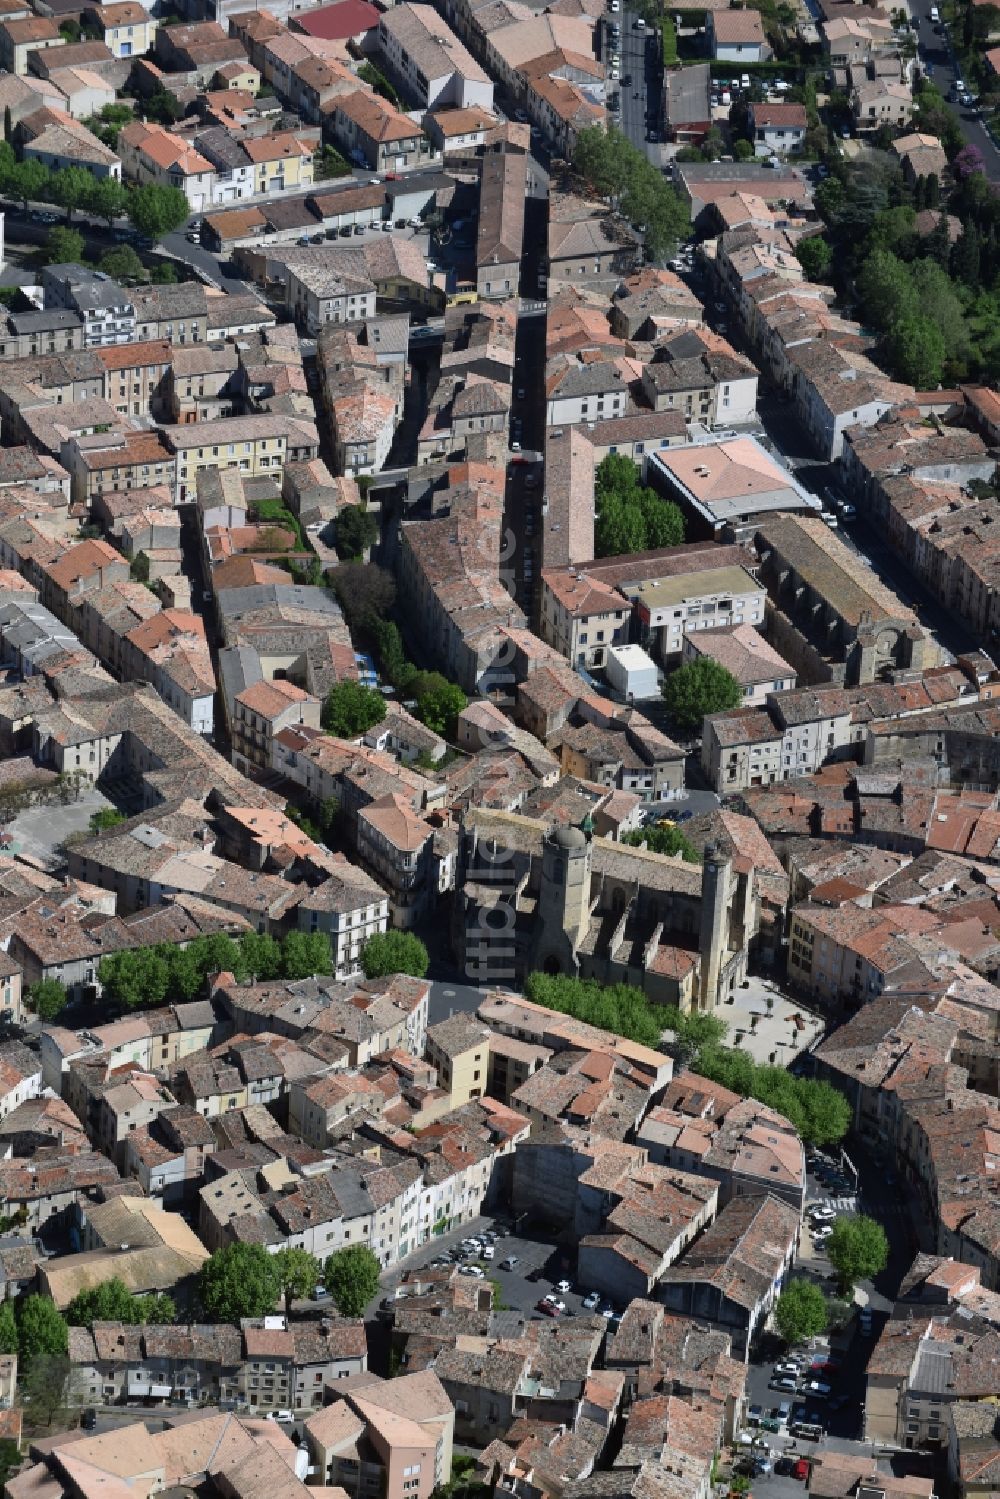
pixel 298 1274
pixel 356 529
pixel 818 1112
pixel 239 1280
pixel 41 1331
pixel 439 702
pixel 351 1276
pixel 364 591
pixel 152 975
pixel 800 1312
pixel 47 998
pixel 630 516
pixel 394 952
pixel 63 246
pixel 698 688
pixel 663 840
pixel 124 265
pixel 614 169
pixel 350 709
pixel 112 1301
pixel 156 211
pixel 857 1249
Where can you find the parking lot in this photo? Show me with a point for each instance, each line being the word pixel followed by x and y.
pixel 539 1267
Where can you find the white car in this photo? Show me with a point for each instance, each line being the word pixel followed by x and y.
pixel 592 1302
pixel 563 1287
pixel 476 1271
pixel 488 1252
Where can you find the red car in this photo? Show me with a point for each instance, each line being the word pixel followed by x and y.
pixel 800 1470
pixel 548 1308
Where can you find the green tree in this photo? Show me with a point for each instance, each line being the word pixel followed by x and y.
pixel 800 1312
pixel 389 651
pixel 112 1301
pixel 631 517
pixel 44 1387
pixel 41 1331
pixel 818 1112
pixel 916 350
pixel 378 81
pixel 699 688
pixel 615 169
pixel 135 979
pixel 693 1032
pixel 218 954
pixel 139 570
pixel 742 151
pixel 394 952
pixel 365 591
pixel 815 256
pixel 611 1007
pixel 298 1274
pixel 164 273
pixel 47 998
pixel 156 211
pixel 660 840
pixel 8 1328
pixel 355 531
pixel 261 955
pixel 71 188
pixel 620 528
pixel 439 702
pixel 29 181
pixel 107 817
pixel 351 1276
pixel 239 1280
pixel 163 107
pixel 63 246
pixel 857 1249
pixel 124 265
pixel 186 973
pixel 350 709
pixel 304 954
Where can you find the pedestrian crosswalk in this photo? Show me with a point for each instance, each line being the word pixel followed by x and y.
pixel 842 1204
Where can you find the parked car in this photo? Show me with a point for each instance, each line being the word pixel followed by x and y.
pixel 592 1302
pixel 89 1419
pixel 510 1263
pixel 488 1252
pixel 476 1271
pixel 783 1382
pixel 563 1287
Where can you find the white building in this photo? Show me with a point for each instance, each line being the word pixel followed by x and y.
pixel 708 599
pixel 631 672
pixel 151 154
pixel 424 52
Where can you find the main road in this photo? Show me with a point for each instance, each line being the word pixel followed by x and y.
pixel 934 48
pixel 641 80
